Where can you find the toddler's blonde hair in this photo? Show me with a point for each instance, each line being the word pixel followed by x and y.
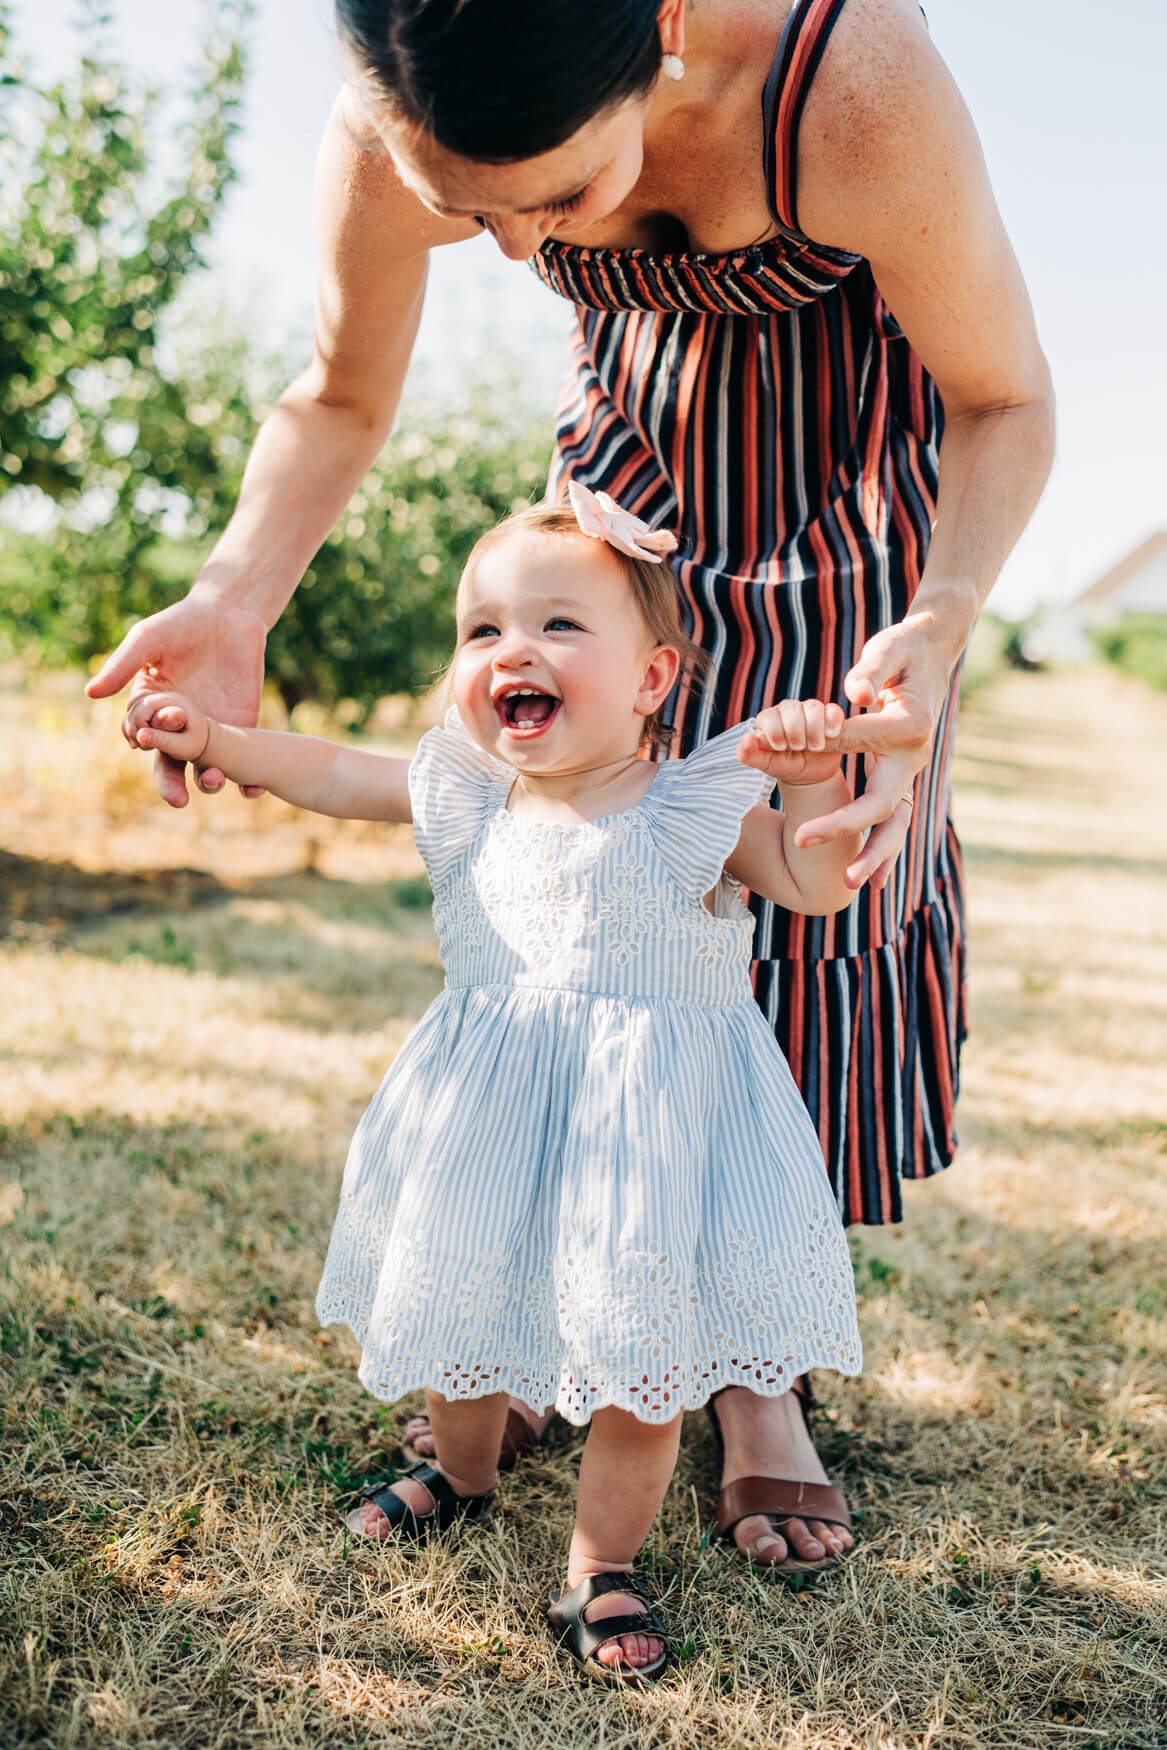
pixel 654 589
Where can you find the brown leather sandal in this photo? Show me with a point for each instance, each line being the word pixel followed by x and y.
pixel 780 1499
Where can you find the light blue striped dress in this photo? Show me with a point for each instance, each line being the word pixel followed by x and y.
pixel 588 1177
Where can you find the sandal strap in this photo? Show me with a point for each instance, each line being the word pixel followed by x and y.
pixel 779 1498
pixel 448 1505
pixel 582 1638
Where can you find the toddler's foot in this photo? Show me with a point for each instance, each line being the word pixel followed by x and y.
pixel 424 1499
pixel 632 1650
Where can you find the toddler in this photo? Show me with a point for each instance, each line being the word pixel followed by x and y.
pixel 588 1179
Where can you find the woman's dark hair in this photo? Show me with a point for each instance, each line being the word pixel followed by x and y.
pixel 501 80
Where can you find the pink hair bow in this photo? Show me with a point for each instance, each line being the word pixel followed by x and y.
pixel 600 516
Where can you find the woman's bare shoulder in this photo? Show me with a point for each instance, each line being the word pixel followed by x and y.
pixel 882 94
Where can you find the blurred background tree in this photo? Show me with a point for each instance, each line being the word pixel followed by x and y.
pixel 124 430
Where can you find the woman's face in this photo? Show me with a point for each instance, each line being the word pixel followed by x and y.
pixel 524 203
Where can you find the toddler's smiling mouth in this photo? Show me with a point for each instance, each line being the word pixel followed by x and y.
pixel 525 711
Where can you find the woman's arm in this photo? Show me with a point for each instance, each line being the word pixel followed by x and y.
pixel 373 239
pixel 345 782
pixel 890 166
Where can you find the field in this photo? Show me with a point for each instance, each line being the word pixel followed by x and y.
pixel 196 1007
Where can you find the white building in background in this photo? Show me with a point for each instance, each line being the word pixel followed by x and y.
pixel 1136 585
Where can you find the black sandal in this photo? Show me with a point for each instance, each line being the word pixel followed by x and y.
pixel 449 1507
pixel 565 1616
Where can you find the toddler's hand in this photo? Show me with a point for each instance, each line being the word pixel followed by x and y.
pixel 795 742
pixel 170 723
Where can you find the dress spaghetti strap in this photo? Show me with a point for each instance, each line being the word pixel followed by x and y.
pixel 800 49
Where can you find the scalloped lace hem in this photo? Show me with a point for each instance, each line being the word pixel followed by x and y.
pixel 577 1398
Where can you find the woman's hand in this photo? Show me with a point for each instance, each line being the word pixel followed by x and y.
pixel 203 648
pixel 899 683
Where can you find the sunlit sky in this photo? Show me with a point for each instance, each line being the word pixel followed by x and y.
pixel 1069 100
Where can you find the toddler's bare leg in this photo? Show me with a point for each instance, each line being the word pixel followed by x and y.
pixel 624 1473
pixel 420 1435
pixel 468 1433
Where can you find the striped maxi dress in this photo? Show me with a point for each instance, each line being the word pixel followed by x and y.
pixel 766 404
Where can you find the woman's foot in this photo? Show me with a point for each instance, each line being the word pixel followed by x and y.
pixel 420 1435
pixel 768 1437
pixel 372 1520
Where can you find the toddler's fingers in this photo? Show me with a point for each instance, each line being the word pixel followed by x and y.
pixel 138 713
pixel 164 741
pixel 833 720
pixel 768 733
pixel 814 716
pixel 793 714
pixel 772 728
pixel 147 708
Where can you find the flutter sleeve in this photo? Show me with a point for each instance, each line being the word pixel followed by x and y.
pixel 696 806
pixel 454 787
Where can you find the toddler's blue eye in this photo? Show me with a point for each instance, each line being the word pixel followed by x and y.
pixel 560 624
pixel 483 631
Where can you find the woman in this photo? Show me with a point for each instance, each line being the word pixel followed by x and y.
pixel 737 195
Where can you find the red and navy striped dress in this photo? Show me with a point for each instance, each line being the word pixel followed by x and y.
pixel 766 404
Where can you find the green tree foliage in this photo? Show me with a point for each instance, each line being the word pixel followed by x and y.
pixel 140 448
pixel 91 260
pixel 93 254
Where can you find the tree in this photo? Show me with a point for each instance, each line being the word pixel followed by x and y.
pixel 90 263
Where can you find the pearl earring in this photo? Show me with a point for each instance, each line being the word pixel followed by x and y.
pixel 672 66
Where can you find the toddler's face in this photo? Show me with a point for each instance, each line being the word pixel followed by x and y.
pixel 553 653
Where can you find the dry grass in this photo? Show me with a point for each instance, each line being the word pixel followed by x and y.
pixel 181 1058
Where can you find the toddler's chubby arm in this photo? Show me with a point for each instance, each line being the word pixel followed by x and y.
pixel 799 747
pixel 346 782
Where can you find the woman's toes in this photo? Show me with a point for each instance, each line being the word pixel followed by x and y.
pixel 420 1435
pixel 803 1541
pixel 834 1537
pixel 757 1539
